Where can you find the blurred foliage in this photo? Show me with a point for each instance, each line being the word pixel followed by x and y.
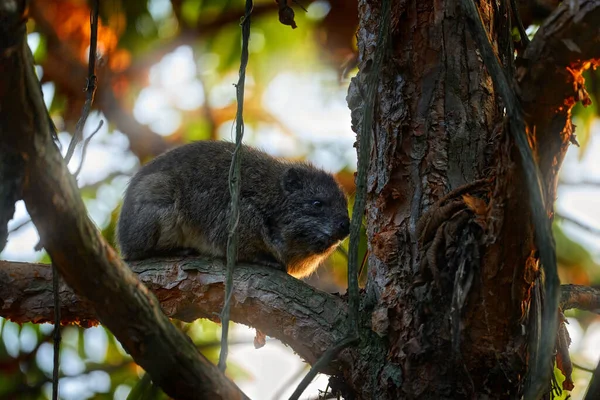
pixel 576 263
pixel 137 43
pixel 93 363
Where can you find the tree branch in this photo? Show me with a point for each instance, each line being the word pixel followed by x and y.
pixel 565 40
pixel 86 262
pixel 304 318
pixel 580 297
pixel 583 225
pixel 551 83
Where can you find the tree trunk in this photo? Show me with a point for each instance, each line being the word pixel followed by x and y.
pixel 449 282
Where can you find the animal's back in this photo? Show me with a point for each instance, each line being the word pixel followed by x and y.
pixel 180 200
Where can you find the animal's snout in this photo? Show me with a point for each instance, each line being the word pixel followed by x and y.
pixel 343 227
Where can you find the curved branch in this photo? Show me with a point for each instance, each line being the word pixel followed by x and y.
pixel 551 84
pixel 580 224
pixel 306 319
pixel 86 262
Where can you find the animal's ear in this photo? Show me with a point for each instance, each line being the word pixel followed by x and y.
pixel 292 180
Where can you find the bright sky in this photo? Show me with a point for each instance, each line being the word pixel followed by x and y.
pixel 320 115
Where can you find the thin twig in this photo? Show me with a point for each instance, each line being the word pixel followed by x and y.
pixel 296 2
pixel 19 225
pixel 91 90
pixel 91 186
pixel 581 367
pixel 234 187
pixel 540 371
pixel 584 182
pixel 329 355
pixel 285 385
pixel 57 335
pixel 581 224
pixel 108 178
pixel 91 82
pixel 84 149
pixel 593 390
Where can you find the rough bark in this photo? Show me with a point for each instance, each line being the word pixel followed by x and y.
pixel 302 317
pixel 439 125
pixel 86 262
pixel 436 117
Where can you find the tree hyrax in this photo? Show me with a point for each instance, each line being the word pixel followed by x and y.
pixel 292 215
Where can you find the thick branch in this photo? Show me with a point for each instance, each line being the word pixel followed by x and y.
pixel 86 262
pixel 306 319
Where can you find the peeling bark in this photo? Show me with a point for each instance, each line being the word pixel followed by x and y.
pixel 435 131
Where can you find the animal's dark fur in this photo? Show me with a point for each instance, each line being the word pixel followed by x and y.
pixel 292 215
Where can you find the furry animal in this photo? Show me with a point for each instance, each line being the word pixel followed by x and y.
pixel 292 215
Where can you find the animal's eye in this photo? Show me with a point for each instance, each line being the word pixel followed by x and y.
pixel 317 203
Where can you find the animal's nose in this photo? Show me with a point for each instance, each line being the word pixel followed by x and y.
pixel 344 227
